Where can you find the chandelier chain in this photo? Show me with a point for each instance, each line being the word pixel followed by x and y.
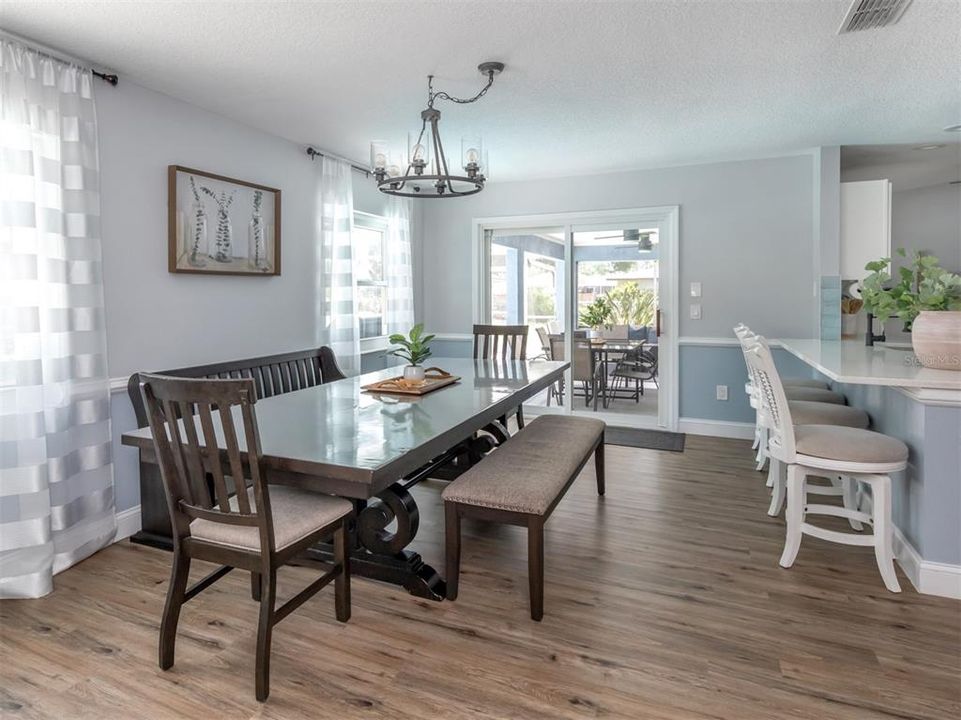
pixel 441 95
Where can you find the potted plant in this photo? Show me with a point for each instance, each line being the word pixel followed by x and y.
pixel 598 313
pixel 415 348
pixel 927 299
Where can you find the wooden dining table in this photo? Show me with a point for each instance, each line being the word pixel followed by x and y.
pixel 339 439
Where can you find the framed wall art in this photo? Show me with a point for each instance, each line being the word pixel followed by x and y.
pixel 221 226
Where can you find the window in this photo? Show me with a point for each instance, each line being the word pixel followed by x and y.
pixel 369 238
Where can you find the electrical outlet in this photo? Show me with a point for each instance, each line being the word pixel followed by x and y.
pixel 695 311
pixel 722 392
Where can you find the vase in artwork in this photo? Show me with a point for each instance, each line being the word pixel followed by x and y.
pixel 223 242
pixel 197 248
pixel 257 236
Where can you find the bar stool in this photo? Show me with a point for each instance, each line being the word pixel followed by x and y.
pixel 861 455
pixel 796 389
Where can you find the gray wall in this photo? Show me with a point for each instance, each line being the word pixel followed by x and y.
pixel 745 234
pixel 156 319
pixel 929 219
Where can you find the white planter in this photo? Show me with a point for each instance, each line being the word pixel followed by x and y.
pixel 414 373
pixel 936 337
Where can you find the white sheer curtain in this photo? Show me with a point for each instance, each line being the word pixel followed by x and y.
pixel 400 284
pixel 56 475
pixel 337 326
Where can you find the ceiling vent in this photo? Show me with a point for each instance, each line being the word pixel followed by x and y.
pixel 870 14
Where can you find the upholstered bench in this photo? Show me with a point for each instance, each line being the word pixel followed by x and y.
pixel 520 483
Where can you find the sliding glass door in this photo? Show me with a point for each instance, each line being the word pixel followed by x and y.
pixel 594 288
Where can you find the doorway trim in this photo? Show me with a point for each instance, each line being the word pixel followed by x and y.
pixel 665 217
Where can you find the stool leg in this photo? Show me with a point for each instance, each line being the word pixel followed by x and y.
pixel 794 515
pixel 883 534
pixel 849 487
pixel 776 480
pixel 761 450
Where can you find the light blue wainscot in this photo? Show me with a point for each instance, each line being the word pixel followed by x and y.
pixel 921 407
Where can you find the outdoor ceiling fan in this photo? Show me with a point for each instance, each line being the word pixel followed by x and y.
pixel 643 239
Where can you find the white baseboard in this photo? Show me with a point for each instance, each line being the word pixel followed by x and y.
pixel 928 578
pixel 128 523
pixel 717 428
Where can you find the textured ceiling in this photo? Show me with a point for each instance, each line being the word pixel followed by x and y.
pixel 589 86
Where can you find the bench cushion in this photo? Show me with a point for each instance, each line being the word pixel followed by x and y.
pixel 530 470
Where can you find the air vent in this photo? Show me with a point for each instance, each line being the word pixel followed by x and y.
pixel 870 14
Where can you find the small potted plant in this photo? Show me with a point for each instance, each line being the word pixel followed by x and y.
pixel 415 348
pixel 927 299
pixel 597 314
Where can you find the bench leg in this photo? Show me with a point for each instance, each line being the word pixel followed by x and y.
pixel 599 466
pixel 535 565
pixel 453 549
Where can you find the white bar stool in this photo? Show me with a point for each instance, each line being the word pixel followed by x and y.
pixel 828 450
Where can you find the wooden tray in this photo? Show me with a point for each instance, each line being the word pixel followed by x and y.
pixel 435 379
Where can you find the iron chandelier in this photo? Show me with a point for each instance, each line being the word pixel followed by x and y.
pixel 424 171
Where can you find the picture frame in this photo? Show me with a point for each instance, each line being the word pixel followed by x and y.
pixel 218 225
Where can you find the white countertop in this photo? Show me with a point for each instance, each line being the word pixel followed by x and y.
pixel 851 361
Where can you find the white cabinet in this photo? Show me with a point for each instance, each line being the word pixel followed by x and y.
pixel 865 225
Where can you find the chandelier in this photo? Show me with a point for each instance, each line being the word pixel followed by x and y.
pixel 424 171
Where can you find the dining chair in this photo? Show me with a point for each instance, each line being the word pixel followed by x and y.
pixel 584 369
pixel 544 337
pixel 863 456
pixel 502 343
pixel 218 516
pixel 639 365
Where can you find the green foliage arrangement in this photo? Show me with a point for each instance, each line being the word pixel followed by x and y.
pixel 415 348
pixel 925 285
pixel 598 313
pixel 631 305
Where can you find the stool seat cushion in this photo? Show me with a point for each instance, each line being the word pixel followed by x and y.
pixel 813 395
pixel 805 412
pixel 846 444
pixel 296 514
pixel 528 472
pixel 805 382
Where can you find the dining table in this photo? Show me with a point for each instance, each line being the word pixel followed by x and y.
pixel 602 350
pixel 372 447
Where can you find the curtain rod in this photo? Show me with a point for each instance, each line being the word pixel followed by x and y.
pixel 315 153
pixel 46 51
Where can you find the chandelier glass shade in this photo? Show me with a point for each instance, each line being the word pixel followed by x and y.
pixel 424 171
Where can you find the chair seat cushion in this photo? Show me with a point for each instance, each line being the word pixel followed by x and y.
pixel 813 395
pixel 805 412
pixel 296 513
pixel 805 382
pixel 530 470
pixel 848 444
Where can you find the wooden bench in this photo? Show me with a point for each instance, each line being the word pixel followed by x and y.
pixel 272 375
pixel 520 483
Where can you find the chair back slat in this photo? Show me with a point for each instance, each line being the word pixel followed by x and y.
pixel 773 408
pixel 500 342
pixel 192 463
pixel 214 466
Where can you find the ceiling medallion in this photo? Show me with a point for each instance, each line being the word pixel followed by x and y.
pixel 427 174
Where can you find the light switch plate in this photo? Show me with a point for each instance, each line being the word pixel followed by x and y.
pixel 695 289
pixel 721 392
pixel 695 311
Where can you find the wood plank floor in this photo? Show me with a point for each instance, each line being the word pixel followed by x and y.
pixel 663 600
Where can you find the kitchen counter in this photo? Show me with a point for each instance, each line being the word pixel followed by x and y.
pixel 851 361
